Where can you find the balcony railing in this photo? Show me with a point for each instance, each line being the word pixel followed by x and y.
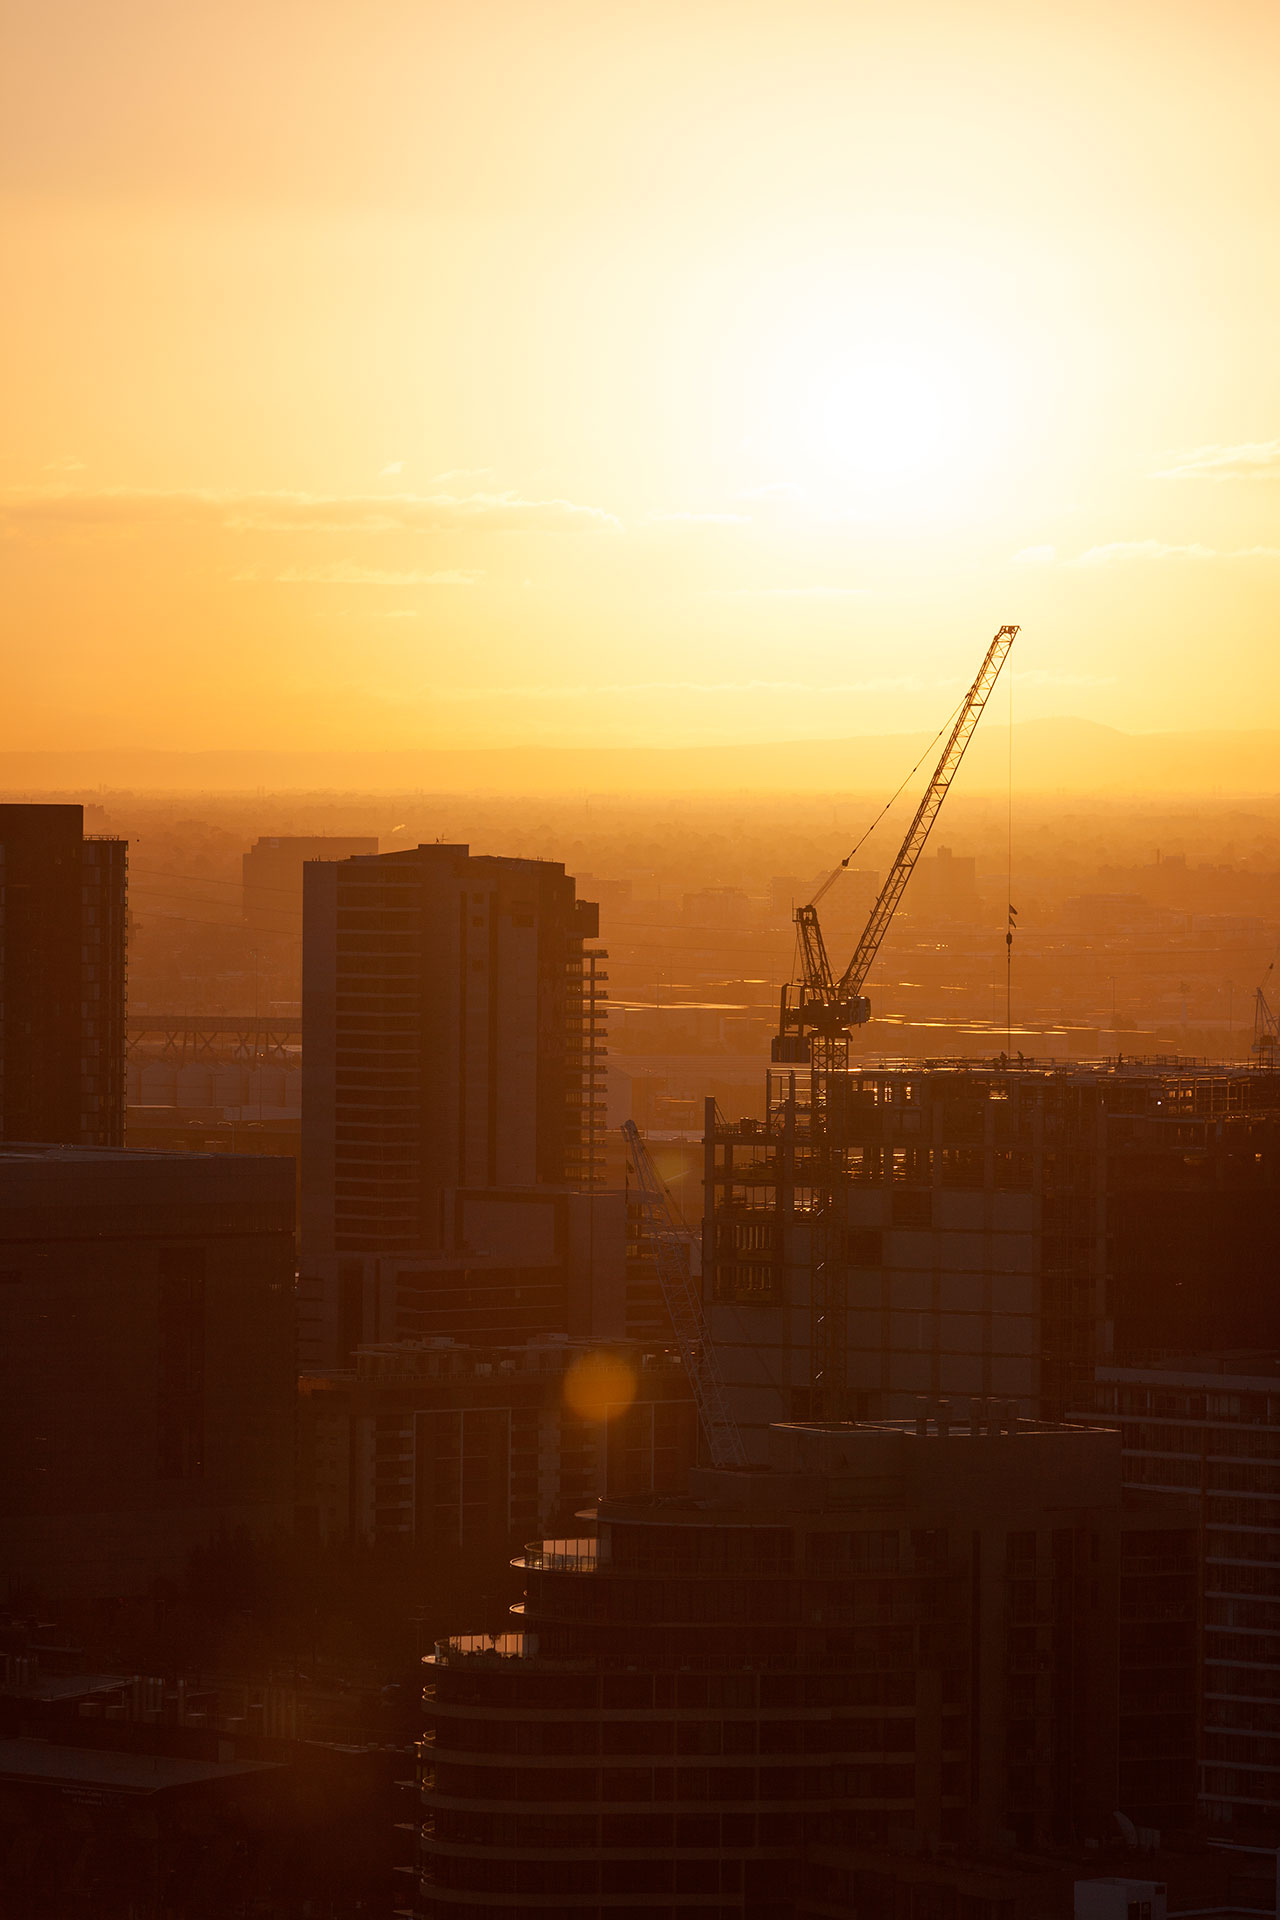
pixel 558 1556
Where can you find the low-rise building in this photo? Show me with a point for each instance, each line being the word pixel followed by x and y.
pixel 147 1376
pixel 909 1634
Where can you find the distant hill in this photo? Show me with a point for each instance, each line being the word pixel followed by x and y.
pixel 1067 755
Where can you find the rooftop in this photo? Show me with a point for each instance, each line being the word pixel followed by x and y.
pixel 39 1762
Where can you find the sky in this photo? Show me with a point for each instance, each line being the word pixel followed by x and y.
pixel 638 372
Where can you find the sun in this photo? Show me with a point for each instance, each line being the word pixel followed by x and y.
pixel 891 421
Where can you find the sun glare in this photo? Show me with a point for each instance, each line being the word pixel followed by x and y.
pixel 904 422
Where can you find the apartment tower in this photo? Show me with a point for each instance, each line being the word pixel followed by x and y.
pixel 452 1086
pixel 62 979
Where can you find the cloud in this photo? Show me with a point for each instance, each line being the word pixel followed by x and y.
pixel 1160 550
pixel 344 574
pixel 461 473
pixel 1250 460
pixel 1051 677
pixel 1034 556
pixel 1141 550
pixel 245 512
pixel 392 466
pixel 68 465
pixel 903 683
pixel 701 519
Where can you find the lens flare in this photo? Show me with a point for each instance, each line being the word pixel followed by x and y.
pixel 599 1386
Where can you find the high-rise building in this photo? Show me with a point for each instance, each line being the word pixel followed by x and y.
pixel 1205 1429
pixel 921 1636
pixel 271 873
pixel 985 1228
pixel 453 1014
pixel 147 1374
pixel 62 979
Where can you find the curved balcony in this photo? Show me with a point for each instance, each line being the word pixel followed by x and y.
pixel 558 1556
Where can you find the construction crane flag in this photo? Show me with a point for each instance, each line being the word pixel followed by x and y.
pixel 1013 915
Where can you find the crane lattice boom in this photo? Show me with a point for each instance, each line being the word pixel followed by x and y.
pixel 671 1242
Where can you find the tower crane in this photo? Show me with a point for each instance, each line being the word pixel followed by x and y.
pixel 1266 1025
pixel 670 1242
pixel 825 1006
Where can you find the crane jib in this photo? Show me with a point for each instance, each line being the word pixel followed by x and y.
pixel 823 1004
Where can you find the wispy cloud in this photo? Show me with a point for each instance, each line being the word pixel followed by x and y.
pixel 700 519
pixel 461 473
pixel 1163 550
pixel 392 467
pixel 1250 460
pixel 246 512
pixel 343 573
pixel 69 464
pixel 904 683
pixel 1052 677
pixel 1034 556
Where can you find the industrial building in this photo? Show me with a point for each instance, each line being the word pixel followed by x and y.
pixel 62 963
pixel 991 1228
pixel 1205 1430
pixel 147 1381
pixel 895 1640
pixel 442 1444
pixel 453 1012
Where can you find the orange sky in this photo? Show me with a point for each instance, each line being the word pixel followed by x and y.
pixel 395 374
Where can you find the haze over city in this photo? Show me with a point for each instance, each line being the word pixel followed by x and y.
pixel 639 921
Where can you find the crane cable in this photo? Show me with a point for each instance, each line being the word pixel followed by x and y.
pixel 835 873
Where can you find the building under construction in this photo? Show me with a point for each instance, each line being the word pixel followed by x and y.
pixel 985 1230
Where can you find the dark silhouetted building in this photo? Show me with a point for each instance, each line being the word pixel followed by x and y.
pixel 1206 1429
pixel 894 1635
pixel 147 1376
pixel 985 1229
pixel 476 1448
pixel 453 1030
pixel 271 873
pixel 62 978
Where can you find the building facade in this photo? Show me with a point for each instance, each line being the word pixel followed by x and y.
pixel 444 1445
pixel 62 979
pixel 1206 1429
pixel 271 874
pixel 147 1374
pixel 453 1014
pixel 985 1230
pixel 724 1705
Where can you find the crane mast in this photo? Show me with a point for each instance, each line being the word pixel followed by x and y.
pixel 819 1003
pixel 670 1242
